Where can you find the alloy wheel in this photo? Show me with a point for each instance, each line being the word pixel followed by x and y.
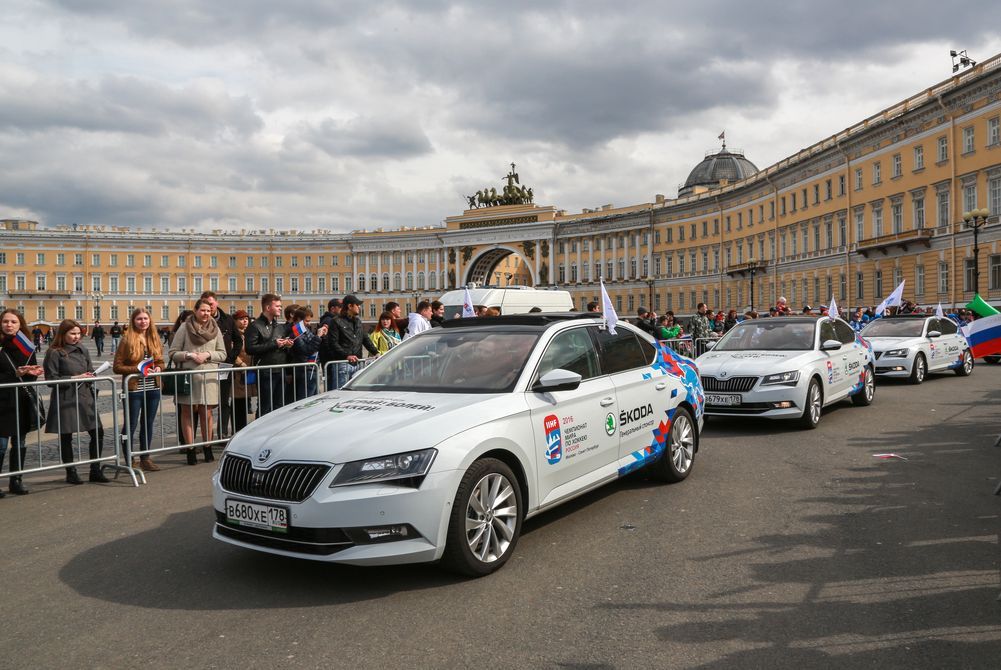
pixel 491 517
pixel 682 443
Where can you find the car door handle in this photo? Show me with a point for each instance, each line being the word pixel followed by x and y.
pixel 605 402
pixel 660 386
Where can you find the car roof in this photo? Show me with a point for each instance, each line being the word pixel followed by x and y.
pixel 903 317
pixel 799 318
pixel 540 320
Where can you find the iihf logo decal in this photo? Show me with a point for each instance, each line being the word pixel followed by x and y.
pixel 554 439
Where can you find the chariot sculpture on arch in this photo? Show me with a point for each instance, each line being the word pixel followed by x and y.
pixel 513 193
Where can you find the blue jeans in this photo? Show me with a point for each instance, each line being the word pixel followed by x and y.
pixel 146 404
pixel 343 372
pixel 305 382
pixel 271 393
pixel 16 454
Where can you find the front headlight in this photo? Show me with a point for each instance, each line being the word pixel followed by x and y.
pixel 386 468
pixel 788 378
pixel 895 353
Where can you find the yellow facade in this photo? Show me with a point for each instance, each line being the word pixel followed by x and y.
pixel 850 216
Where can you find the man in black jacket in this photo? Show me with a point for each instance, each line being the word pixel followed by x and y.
pixel 325 355
pixel 269 344
pixel 234 342
pixel 346 338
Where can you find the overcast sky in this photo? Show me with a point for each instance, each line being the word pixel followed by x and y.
pixel 342 115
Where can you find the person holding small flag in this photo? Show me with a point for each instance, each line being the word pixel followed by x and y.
pixel 73 407
pixel 305 349
pixel 18 413
pixel 140 351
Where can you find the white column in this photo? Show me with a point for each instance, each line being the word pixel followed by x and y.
pixel 414 271
pixel 368 271
pixel 378 268
pixel 639 265
pixel 580 267
pixel 437 268
pixel 458 268
pixel 354 272
pixel 615 258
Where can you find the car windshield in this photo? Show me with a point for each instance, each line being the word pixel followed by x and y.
pixel 451 360
pixel 774 334
pixel 894 328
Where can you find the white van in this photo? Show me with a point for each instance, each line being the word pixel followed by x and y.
pixel 509 300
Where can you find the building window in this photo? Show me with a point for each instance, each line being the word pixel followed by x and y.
pixel 968 140
pixel 970 197
pixel 182 261
pixel 994 269
pixel 829 230
pixel 293 261
pixel 164 284
pixel 249 284
pixel 877 222
pixel 993 132
pixel 943 278
pixel 969 275
pixel 147 285
pixel 279 260
pixel 943 208
pixel 843 286
pixel 898 165
pixel 878 284
pixel 40 282
pixel 842 231
pixel 147 260
pixel 919 280
pixel 994 196
pixel 841 185
pixel 943 149
pixel 897 216
pixel 858 179
pixel 877 173
pixel 859 286
pixel 919 213
pixel 919 157
pixel 130 260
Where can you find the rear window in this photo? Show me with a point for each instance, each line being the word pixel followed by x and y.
pixel 621 351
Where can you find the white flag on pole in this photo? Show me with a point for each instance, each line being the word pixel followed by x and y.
pixel 832 311
pixel 938 311
pixel 467 305
pixel 611 318
pixel 892 300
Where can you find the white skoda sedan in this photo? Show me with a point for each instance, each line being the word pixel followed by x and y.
pixel 444 446
pixel 912 346
pixel 786 368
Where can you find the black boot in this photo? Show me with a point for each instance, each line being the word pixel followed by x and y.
pixel 192 456
pixel 209 456
pixel 72 477
pixel 3 452
pixel 16 459
pixel 96 475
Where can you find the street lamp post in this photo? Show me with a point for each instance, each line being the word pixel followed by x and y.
pixel 649 282
pixel 976 219
pixel 97 296
pixel 753 266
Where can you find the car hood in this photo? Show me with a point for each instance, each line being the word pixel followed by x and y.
pixel 887 343
pixel 751 363
pixel 342 426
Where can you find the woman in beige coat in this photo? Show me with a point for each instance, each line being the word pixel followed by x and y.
pixel 198 345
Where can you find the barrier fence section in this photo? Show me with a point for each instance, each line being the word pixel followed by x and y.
pixel 686 346
pixel 217 402
pixel 55 431
pixel 337 373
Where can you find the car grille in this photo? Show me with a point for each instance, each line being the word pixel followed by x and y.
pixel 732 385
pixel 292 482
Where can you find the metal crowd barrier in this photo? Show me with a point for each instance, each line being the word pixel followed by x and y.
pixel 234 388
pixel 686 346
pixel 334 381
pixel 46 447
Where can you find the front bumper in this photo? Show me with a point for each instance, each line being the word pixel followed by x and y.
pixel 894 367
pixel 770 402
pixel 330 524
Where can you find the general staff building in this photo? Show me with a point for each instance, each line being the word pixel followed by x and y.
pixel 850 216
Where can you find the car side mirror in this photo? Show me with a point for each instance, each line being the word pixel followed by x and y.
pixel 934 333
pixel 557 379
pixel 830 345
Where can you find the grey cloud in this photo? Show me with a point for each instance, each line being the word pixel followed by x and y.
pixel 368 137
pixel 123 105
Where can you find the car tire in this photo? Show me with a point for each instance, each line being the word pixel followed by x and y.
pixel 864 397
pixel 919 370
pixel 682 442
pixel 966 369
pixel 480 540
pixel 814 405
pixel 992 360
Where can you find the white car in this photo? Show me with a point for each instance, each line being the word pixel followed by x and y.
pixel 786 368
pixel 444 446
pixel 913 346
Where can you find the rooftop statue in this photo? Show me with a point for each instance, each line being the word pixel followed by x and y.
pixel 513 193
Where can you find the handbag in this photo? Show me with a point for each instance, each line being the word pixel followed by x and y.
pixel 175 384
pixel 35 412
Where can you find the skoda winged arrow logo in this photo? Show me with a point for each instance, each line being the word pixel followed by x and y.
pixel 263 455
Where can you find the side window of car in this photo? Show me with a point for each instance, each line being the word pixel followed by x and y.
pixel 571 350
pixel 844 331
pixel 827 331
pixel 620 352
pixel 947 327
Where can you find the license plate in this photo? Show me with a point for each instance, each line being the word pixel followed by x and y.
pixel 257 516
pixel 722 398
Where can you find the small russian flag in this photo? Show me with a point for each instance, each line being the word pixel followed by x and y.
pixel 24 343
pixel 146 366
pixel 984 336
pixel 312 358
pixel 299 327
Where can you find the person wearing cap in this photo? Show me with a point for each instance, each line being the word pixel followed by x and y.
pixel 326 354
pixel 807 309
pixel 346 338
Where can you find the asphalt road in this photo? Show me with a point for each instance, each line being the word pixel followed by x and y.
pixel 783 549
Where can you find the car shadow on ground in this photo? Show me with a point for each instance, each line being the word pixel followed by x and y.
pixel 902 546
